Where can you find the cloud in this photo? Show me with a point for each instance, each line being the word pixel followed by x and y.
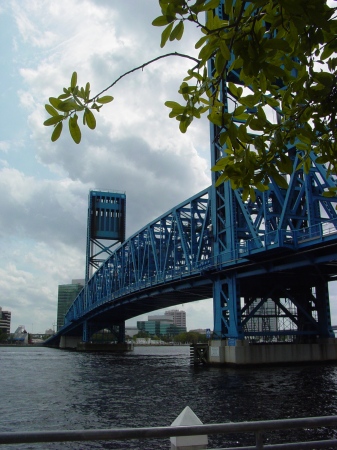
pixel 4 146
pixel 135 148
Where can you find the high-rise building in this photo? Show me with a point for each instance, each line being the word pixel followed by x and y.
pixel 179 317
pixel 5 321
pixel 169 324
pixel 66 295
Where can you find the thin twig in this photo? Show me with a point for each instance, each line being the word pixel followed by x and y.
pixel 182 55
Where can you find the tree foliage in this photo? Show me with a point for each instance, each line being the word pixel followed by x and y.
pixel 274 60
pixel 190 337
pixel 66 106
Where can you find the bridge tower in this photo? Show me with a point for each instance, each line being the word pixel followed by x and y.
pixel 105 229
pixel 271 297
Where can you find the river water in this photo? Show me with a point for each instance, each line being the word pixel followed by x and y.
pixel 48 389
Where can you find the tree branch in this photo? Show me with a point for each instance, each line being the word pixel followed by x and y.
pixel 182 55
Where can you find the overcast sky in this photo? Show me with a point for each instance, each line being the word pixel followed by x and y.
pixel 136 148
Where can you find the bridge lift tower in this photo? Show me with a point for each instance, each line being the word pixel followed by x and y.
pixel 105 229
pixel 251 303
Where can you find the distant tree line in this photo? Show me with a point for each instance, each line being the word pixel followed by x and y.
pixel 188 337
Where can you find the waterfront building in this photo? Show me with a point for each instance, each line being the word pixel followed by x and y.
pixel 66 295
pixel 179 317
pixel 164 325
pixel 5 321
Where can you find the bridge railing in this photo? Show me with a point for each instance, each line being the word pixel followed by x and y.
pixel 288 238
pixel 258 428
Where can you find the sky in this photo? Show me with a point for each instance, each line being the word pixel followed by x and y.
pixel 136 147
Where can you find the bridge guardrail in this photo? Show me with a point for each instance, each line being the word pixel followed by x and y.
pixel 288 238
pixel 257 428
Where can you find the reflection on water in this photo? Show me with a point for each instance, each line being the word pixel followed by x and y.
pixel 47 389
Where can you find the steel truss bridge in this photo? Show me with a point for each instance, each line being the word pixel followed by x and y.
pixel 265 262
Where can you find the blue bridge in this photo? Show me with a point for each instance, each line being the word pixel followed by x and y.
pixel 266 261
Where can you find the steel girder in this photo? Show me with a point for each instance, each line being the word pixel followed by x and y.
pixel 277 219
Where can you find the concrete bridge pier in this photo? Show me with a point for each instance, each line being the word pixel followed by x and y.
pixel 70 342
pixel 241 352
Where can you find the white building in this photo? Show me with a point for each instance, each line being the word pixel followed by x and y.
pixel 179 317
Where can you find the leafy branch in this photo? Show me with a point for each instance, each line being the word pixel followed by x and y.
pixel 77 99
pixel 255 58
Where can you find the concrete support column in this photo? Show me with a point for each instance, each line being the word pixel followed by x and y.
pixel 243 353
pixel 69 342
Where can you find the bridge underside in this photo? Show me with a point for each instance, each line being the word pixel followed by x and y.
pixel 280 277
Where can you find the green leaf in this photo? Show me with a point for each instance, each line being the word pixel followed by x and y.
pixel 74 129
pixel 224 50
pixel 304 139
pixel 307 165
pixel 68 105
pixel 55 102
pixel 53 120
pixel 178 31
pixel 201 42
pixel 57 132
pixel 89 119
pixel 272 101
pixel 51 110
pixel 166 34
pixel 105 99
pixel 73 81
pixel 279 179
pixel 63 96
pixel 211 4
pixel 277 44
pixel 239 110
pixel 328 51
pixel 173 105
pixel 233 89
pixel 322 160
pixel 220 63
pixel 162 20
pixel 87 91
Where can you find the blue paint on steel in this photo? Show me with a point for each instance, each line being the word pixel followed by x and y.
pixel 106 221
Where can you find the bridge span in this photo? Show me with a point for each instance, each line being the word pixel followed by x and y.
pixel 282 274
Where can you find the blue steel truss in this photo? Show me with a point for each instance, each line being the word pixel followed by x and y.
pixel 280 303
pixel 175 247
pixel 266 262
pixel 261 282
